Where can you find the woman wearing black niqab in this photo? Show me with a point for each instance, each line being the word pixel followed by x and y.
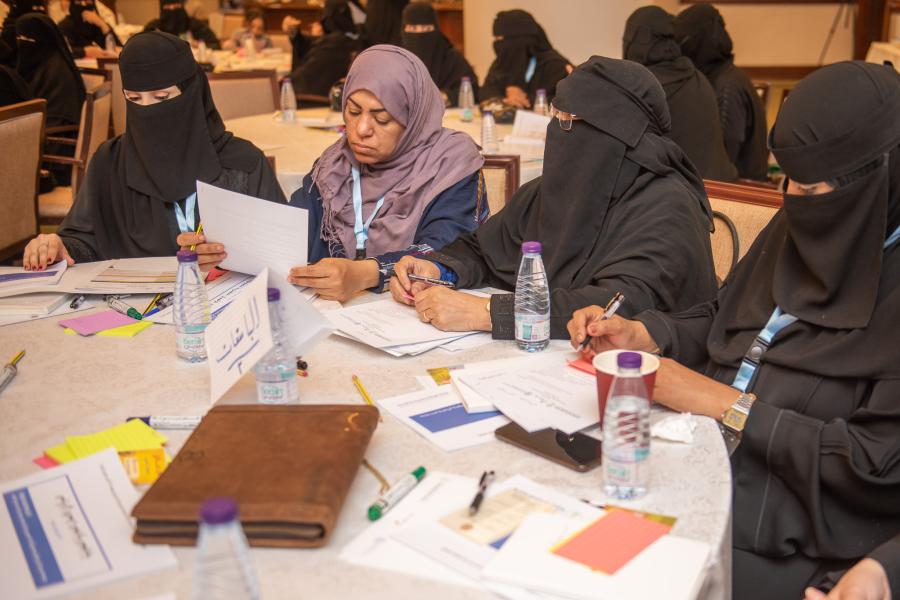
pixel 139 192
pixel 17 8
pixel 525 63
pixel 701 32
pixel 619 208
pixel 383 19
pixel 174 19
pixel 83 30
pixel 317 65
pixel 422 36
pixel 650 40
pixel 800 348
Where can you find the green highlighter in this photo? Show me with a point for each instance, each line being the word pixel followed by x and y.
pixel 395 494
pixel 119 306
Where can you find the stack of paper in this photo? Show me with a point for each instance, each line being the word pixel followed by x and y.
pixel 527 137
pixel 121 276
pixel 529 542
pixel 392 327
pixel 108 323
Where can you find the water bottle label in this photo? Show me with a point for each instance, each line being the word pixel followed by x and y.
pixel 467 114
pixel 272 392
pixel 531 328
pixel 191 344
pixel 626 473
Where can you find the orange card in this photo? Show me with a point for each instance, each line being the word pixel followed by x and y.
pixel 611 541
pixel 583 364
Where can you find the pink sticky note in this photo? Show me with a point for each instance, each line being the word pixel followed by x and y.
pixel 582 364
pixel 45 462
pixel 91 324
pixel 611 541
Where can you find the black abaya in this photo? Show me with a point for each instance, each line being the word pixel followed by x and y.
pixel 383 19
pixel 317 65
pixel 80 34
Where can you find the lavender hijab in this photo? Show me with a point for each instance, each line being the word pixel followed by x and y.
pixel 428 159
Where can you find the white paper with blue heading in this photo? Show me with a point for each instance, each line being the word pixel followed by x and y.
pixel 69 528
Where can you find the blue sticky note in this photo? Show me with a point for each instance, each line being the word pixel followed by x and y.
pixel 449 417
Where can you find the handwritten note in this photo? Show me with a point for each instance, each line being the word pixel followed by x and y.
pixel 239 337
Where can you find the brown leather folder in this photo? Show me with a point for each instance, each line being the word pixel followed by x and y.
pixel 288 467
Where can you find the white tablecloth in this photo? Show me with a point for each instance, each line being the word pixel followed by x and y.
pixel 296 147
pixel 68 384
pixel 882 51
pixel 229 60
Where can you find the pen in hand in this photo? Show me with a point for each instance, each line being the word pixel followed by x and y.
pixel 611 307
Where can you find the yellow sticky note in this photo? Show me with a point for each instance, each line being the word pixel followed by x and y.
pixel 133 435
pixel 70 331
pixel 60 453
pixel 130 330
pixel 144 466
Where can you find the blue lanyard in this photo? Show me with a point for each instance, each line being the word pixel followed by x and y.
pixel 529 72
pixel 187 217
pixel 778 321
pixel 360 229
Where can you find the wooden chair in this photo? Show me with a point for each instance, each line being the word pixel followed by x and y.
pixel 93 131
pixel 891 7
pixel 740 212
pixel 118 97
pixel 501 176
pixel 93 78
pixel 21 128
pixel 244 93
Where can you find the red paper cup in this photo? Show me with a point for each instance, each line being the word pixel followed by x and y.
pixel 606 367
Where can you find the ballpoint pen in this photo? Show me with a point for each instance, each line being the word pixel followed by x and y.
pixel 77 302
pixel 486 478
pixel 612 306
pixel 430 280
pixel 9 370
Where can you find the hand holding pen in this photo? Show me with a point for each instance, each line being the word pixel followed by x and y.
pixel 608 312
pixel 594 329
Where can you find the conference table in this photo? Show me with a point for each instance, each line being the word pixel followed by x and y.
pixel 68 385
pixel 884 51
pixel 296 146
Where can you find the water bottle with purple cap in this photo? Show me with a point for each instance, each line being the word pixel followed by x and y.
pixel 223 569
pixel 626 431
pixel 190 310
pixel 276 372
pixel 532 301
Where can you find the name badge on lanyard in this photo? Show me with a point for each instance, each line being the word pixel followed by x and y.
pixel 186 218
pixel 529 72
pixel 360 229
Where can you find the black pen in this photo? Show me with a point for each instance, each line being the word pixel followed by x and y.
pixel 77 302
pixel 611 307
pixel 430 280
pixel 486 478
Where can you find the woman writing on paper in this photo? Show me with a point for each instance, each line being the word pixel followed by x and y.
pixel 139 195
pixel 397 183
pixel 619 208
pixel 799 351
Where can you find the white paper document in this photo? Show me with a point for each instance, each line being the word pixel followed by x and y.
pixel 69 528
pixel 64 309
pixel 239 337
pixel 439 417
pixel 546 393
pixel 256 233
pixel 121 276
pixel 529 124
pixel 671 567
pixel 303 326
pixel 12 278
pixel 387 324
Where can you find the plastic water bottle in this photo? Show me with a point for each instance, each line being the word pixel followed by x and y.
pixel 626 431
pixel 276 372
pixel 541 106
pixel 223 569
pixel 488 133
pixel 249 47
pixel 532 302
pixel 467 100
pixel 190 308
pixel 288 101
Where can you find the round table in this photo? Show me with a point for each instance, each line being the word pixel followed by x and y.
pixel 68 385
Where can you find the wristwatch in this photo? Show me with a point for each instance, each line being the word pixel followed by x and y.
pixel 734 419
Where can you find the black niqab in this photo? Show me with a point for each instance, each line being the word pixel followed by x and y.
pixel 173 19
pixel 17 8
pixel 523 38
pixel 821 258
pixel 649 39
pixel 337 17
pixel 446 66
pixel 81 29
pixel 701 32
pixel 45 62
pixel 170 145
pixel 383 18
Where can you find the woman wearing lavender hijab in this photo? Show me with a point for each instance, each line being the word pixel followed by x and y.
pixel 397 183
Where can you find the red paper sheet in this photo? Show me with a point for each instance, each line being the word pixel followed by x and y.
pixel 611 541
pixel 582 364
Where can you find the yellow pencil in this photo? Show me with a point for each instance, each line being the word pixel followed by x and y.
pixel 152 304
pixel 364 393
pixel 199 230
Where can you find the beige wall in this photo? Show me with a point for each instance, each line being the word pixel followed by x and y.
pixel 779 34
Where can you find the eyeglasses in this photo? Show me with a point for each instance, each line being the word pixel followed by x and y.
pixel 565 119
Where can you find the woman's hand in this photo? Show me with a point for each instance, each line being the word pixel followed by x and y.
pixel 611 334
pixel 93 18
pixel 336 278
pixel 44 250
pixel 685 390
pixel 449 310
pixel 516 96
pixel 403 290
pixel 209 254
pixel 865 581
pixel 290 25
